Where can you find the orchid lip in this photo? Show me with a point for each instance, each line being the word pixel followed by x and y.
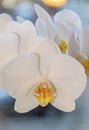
pixel 44 92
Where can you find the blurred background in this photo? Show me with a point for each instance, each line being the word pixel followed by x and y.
pixel 47 118
pixel 24 8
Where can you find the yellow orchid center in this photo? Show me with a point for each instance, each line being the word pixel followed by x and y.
pixel 85 63
pixel 63 46
pixel 44 92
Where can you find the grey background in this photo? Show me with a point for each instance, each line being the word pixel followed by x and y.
pixel 48 118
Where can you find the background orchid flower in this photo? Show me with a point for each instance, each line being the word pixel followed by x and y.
pixel 79 48
pixel 65 22
pixel 66 31
pixel 16 43
pixel 26 32
pixel 44 76
pixel 9 49
pixel 22 28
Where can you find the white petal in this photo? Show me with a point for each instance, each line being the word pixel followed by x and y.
pixel 73 47
pixel 84 39
pixel 46 20
pixel 42 12
pixel 40 27
pixel 64 104
pixel 33 43
pixel 26 30
pixel 20 19
pixel 70 18
pixel 63 31
pixel 12 26
pixel 21 74
pixel 4 20
pixel 26 103
pixel 9 44
pixel 67 75
pixel 46 49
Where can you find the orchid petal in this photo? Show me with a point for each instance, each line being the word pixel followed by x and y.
pixel 12 26
pixel 73 47
pixel 21 74
pixel 63 31
pixel 64 104
pixel 26 103
pixel 33 43
pixel 70 18
pixel 40 27
pixel 20 19
pixel 42 12
pixel 4 20
pixel 84 39
pixel 46 49
pixel 8 50
pixel 26 30
pixel 46 20
pixel 67 75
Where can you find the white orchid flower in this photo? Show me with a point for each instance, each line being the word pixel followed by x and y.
pixel 43 76
pixel 79 48
pixel 34 72
pixel 68 25
pixel 65 22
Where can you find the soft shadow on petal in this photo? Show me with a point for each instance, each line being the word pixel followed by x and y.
pixel 64 104
pixel 84 39
pixel 45 50
pixel 67 75
pixel 40 27
pixel 9 49
pixel 70 18
pixel 73 47
pixel 21 74
pixel 63 31
pixel 46 19
pixel 47 47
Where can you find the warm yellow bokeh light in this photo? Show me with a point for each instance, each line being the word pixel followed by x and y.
pixel 54 3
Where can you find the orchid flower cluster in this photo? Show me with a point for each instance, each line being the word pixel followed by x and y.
pixel 46 62
pixel 67 32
